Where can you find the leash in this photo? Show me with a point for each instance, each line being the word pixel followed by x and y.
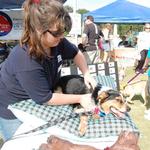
pixel 137 74
pixel 50 123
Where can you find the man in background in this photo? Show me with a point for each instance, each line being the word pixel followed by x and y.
pixel 90 37
pixel 143 44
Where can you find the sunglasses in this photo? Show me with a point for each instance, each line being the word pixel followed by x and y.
pixel 56 33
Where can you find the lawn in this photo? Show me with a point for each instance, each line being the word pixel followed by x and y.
pixel 137 112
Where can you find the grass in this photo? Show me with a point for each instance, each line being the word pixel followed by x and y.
pixel 137 112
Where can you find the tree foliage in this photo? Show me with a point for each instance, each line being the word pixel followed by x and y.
pixel 69 8
pixel 82 11
pixel 124 28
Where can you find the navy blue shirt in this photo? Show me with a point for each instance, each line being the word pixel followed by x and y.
pixel 22 77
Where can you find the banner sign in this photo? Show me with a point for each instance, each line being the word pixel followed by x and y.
pixel 10 24
pixel 125 56
pixel 5 24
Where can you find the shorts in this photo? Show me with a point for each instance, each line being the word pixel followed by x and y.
pixel 92 57
pixel 106 46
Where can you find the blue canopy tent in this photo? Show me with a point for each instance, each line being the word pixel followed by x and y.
pixel 121 11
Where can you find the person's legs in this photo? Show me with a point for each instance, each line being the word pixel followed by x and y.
pixel 96 56
pixel 86 55
pixel 92 57
pixel 147 90
pixel 8 127
pixel 105 56
pixel 106 47
pixel 101 55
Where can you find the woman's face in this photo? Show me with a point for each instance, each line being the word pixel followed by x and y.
pixel 52 37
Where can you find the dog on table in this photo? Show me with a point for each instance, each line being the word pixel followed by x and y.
pixel 125 141
pixel 105 101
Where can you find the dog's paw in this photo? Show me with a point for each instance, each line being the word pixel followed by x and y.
pixel 83 125
pixel 79 110
pixel 95 116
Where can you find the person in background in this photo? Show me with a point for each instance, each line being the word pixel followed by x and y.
pixel 107 29
pixel 124 42
pixel 90 37
pixel 33 67
pixel 146 67
pixel 143 43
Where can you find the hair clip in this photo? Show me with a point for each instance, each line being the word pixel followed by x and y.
pixel 36 1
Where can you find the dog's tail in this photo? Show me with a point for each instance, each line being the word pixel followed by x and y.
pixel 95 92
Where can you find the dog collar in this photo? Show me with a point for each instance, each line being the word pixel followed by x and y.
pixel 99 112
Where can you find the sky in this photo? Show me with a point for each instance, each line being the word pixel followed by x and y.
pixel 95 4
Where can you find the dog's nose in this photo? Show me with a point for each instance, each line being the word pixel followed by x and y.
pixel 128 108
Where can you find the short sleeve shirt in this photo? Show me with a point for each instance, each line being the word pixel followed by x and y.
pixel 23 77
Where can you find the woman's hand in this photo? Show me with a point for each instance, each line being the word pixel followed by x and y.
pixel 86 102
pixel 89 81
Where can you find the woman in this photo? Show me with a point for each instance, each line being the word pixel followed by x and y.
pixel 33 67
pixel 106 43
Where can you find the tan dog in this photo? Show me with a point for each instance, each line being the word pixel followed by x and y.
pixel 103 102
pixel 109 101
pixel 136 88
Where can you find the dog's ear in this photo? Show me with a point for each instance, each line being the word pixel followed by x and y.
pixel 95 92
pixel 113 92
pixel 102 97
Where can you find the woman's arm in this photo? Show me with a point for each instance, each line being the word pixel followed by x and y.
pixel 63 99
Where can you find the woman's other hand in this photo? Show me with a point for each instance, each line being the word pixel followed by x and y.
pixel 89 81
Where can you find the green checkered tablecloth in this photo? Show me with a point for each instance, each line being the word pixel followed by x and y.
pixel 103 127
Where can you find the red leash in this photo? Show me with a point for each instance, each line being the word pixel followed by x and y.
pixel 133 77
pixel 141 71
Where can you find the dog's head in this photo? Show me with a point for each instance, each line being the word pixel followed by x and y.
pixel 81 47
pixel 111 101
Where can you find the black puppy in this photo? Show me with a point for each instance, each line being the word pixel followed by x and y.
pixel 74 84
pixel 81 47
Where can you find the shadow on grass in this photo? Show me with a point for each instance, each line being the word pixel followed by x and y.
pixel 148 104
pixel 1 142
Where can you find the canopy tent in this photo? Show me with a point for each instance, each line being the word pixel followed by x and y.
pixel 121 11
pixel 13 4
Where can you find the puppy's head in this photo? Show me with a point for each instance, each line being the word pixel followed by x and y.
pixel 76 86
pixel 111 101
pixel 81 47
pixel 95 92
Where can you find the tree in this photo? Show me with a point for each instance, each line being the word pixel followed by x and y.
pixel 82 11
pixel 124 28
pixel 69 8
